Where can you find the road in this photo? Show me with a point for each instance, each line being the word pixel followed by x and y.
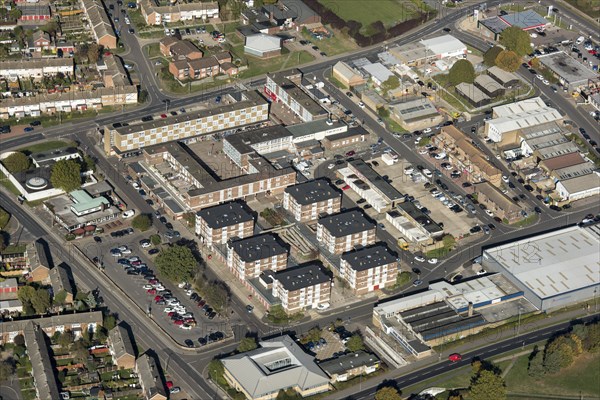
pixel 483 353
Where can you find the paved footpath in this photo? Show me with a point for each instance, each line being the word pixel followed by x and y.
pixel 462 348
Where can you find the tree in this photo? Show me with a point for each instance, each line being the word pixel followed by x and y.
pixel 155 240
pixel 41 301
pixel 101 334
pixel 93 52
pixel 17 162
pixel 536 367
pixel 217 294
pixel 65 339
pixel 60 297
pixel 15 13
pixel 50 28
pixel 7 368
pixel 489 57
pixel 141 222
pixel 558 355
pixel 355 343
pixel 88 163
pixel 517 40
pixel 177 263
pixel 508 61
pixel 313 335
pixel 247 344
pixel 289 394
pixel 383 112
pixel 216 371
pixel 391 83
pixel 109 322
pixel 488 386
pixel 461 71
pixel 66 175
pixel 387 393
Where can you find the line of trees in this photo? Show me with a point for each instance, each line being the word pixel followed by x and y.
pixel 561 351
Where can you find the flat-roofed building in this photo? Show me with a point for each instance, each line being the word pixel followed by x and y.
pixel 580 187
pixel 553 269
pixel 378 72
pixel 121 347
pixel 475 96
pixel 352 135
pixel 497 202
pixel 445 46
pixel 248 258
pixel 218 224
pixel 302 287
pixel 521 114
pixel 344 231
pixel 540 136
pixel 350 365
pixel 418 218
pixel 369 268
pixel 573 171
pixel 240 147
pixel 417 113
pixel 369 179
pixel 284 87
pixel 555 150
pixel 309 200
pixel 278 364
pixel 262 45
pixel 570 72
pixel 251 109
pixel 347 75
pixel 316 130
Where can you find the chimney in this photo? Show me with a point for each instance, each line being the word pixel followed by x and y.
pixel 470 312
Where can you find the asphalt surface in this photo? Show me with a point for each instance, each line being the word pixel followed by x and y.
pixel 483 354
pixel 186 367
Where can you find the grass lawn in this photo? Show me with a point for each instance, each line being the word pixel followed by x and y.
pixel 4 217
pixel 63 117
pixel 8 184
pixel 153 50
pixel 336 44
pixel 390 12
pixel 589 7
pixel 257 66
pixel 580 378
pixel 46 146
pixel 531 219
pixel 394 126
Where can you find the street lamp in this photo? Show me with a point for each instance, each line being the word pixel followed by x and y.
pixel 519 321
pixel 167 103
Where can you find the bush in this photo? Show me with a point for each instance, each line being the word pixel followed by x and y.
pixel 141 222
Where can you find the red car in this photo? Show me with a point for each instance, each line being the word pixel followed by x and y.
pixel 350 153
pixel 169 384
pixel 454 357
pixel 163 115
pixel 201 303
pixel 346 187
pixel 153 281
pixel 151 291
pixel 158 298
pixel 178 322
pixel 172 313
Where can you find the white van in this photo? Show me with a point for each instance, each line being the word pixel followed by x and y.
pixel 128 214
pixel 580 40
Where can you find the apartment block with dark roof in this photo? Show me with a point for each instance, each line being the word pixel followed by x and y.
pixel 302 287
pixel 248 258
pixel 370 268
pixel 38 351
pixel 218 224
pixel 310 200
pixel 60 281
pixel 344 231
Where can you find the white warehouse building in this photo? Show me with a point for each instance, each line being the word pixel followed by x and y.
pixel 553 269
pixel 445 46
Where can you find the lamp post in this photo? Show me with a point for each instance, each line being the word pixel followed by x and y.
pixel 519 321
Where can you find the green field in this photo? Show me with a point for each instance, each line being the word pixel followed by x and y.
pixel 581 378
pixel 390 12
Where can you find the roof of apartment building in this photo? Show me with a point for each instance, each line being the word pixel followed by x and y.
pixel 346 223
pixel 202 63
pixel 369 257
pixel 226 214
pixel 120 342
pixel 316 126
pixel 252 98
pixel 373 178
pixel 243 141
pixel 149 375
pixel 184 48
pixel 98 18
pixel 258 247
pixel 43 254
pixel 59 278
pixel 296 93
pixel 347 362
pixel 168 41
pixel 88 95
pixel 41 362
pixel 301 276
pixel 313 191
